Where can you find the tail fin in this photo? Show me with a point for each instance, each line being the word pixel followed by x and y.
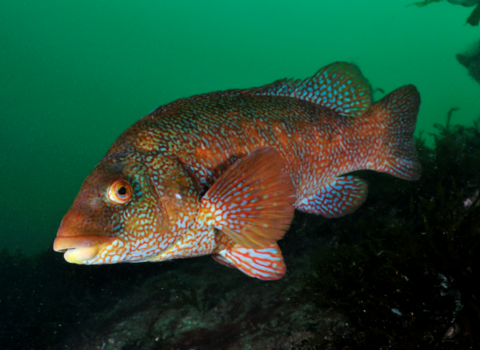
pixel 399 110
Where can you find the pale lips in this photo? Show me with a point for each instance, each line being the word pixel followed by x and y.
pixel 78 255
pixel 78 249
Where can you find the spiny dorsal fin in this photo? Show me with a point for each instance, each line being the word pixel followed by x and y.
pixel 339 86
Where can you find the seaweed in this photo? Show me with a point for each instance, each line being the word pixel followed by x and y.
pixel 451 247
pixel 449 116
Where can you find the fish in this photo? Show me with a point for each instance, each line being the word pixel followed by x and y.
pixel 466 3
pixel 222 173
pixel 470 60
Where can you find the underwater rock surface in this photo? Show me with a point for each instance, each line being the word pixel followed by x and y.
pixel 183 304
pixel 180 311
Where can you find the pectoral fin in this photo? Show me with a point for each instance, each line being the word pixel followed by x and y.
pixel 252 202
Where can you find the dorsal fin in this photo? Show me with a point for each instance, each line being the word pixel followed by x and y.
pixel 339 86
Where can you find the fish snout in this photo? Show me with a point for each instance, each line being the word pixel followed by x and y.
pixel 80 248
pixel 79 243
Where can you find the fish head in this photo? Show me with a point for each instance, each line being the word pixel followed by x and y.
pixel 126 210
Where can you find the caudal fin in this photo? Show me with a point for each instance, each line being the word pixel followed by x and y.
pixel 399 111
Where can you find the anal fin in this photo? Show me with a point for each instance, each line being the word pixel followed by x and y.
pixel 264 263
pixel 221 260
pixel 341 197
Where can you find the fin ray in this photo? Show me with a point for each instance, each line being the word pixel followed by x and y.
pixel 339 86
pixel 399 110
pixel 252 202
pixel 264 263
pixel 341 197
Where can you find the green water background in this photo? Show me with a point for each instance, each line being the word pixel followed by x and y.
pixel 75 74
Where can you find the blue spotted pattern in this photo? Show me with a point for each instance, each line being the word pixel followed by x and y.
pixel 338 86
pixel 340 197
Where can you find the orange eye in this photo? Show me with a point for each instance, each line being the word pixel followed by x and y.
pixel 120 192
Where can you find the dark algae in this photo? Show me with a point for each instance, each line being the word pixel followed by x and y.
pixel 449 115
pixel 404 272
pixel 400 273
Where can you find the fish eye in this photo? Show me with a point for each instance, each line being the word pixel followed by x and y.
pixel 120 192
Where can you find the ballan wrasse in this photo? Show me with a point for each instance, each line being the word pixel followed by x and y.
pixel 222 173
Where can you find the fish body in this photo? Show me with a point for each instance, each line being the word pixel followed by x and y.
pixel 221 173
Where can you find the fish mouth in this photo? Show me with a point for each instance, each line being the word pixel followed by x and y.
pixel 78 249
